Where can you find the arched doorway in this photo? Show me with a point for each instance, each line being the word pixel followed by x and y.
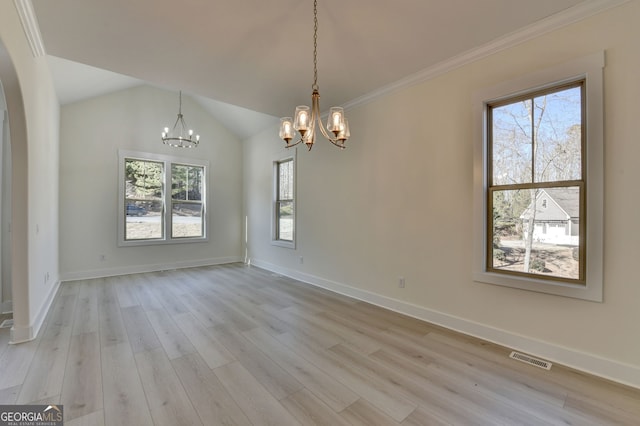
pixel 17 244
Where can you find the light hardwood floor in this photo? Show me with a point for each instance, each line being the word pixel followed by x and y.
pixel 237 345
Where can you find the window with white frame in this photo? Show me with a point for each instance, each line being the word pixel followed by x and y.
pixel 538 197
pixel 187 201
pixel 284 223
pixel 162 199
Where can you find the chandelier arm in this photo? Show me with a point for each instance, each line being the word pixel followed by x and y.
pixel 314 119
pixel 184 125
pixel 325 133
pixel 338 144
pixel 316 115
pixel 176 123
pixel 291 145
pixel 310 137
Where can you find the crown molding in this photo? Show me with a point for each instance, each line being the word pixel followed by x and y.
pixel 567 17
pixel 30 26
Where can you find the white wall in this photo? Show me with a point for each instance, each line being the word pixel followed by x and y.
pixel 92 131
pixel 33 117
pixel 398 202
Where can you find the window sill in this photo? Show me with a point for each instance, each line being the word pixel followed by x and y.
pixel 285 244
pixel 577 291
pixel 160 242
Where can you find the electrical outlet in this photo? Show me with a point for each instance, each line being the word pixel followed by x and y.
pixel 401 282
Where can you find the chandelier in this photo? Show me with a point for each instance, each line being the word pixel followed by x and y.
pixel 337 129
pixel 180 136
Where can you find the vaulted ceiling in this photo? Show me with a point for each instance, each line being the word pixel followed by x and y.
pixel 257 54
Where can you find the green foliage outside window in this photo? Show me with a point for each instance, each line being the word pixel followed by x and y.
pixel 143 179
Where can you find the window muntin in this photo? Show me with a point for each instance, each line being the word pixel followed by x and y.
pixel 285 214
pixel 535 181
pixel 162 199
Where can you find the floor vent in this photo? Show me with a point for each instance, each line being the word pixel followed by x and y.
pixel 7 323
pixel 531 360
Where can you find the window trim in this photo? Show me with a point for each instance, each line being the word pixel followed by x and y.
pixel 168 161
pixel 282 157
pixel 590 69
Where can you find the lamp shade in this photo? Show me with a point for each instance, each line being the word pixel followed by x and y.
pixel 335 121
pixel 286 128
pixel 302 120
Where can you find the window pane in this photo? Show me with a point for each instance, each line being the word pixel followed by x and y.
pixel 511 143
pixel 186 220
pixel 143 179
pixel 540 237
pixel 558 149
pixel 285 220
pixel 143 220
pixel 285 180
pixel 186 182
pixel 143 199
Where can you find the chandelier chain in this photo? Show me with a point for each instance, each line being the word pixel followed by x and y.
pixel 315 46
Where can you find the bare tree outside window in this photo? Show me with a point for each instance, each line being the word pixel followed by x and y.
pixel 536 184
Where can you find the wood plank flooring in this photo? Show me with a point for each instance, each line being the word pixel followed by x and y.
pixel 237 345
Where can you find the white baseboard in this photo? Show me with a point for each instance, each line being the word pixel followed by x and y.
pixel 138 269
pixel 20 334
pixel 589 363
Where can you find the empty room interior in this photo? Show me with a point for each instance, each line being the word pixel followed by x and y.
pixel 320 212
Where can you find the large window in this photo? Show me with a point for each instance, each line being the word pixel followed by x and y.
pixel 162 199
pixel 538 199
pixel 536 185
pixel 284 202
